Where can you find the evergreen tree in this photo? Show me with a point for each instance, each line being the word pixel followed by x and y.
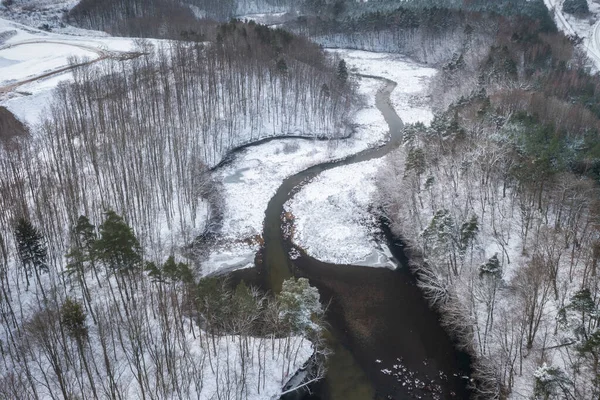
pixel 576 7
pixel 468 232
pixel 177 271
pixel 117 247
pixel 491 268
pixel 83 238
pixel 31 248
pixel 80 257
pixel 342 72
pixel 72 317
pixel 300 305
pixel 589 351
pixel 583 303
pixel 282 66
pixel 550 382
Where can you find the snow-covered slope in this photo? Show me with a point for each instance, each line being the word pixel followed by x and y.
pixel 33 62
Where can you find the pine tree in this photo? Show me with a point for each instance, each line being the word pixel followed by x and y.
pixel 342 72
pixel 176 271
pixel 72 318
pixel 80 257
pixel 31 248
pixel 491 268
pixel 300 304
pixel 282 66
pixel 583 303
pixel 576 7
pixel 117 247
pixel 83 237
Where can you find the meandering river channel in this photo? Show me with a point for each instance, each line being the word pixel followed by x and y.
pixel 387 343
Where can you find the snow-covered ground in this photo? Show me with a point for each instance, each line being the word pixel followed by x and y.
pixel 331 213
pixel 338 200
pixel 409 98
pixel 33 62
pixel 252 178
pixel 587 28
pixel 332 219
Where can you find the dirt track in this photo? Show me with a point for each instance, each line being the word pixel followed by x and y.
pixel 102 53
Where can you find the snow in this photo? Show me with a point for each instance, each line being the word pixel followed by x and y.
pixel 587 28
pixel 331 213
pixel 410 98
pixel 27 53
pixel 252 178
pixel 332 219
pixel 36 58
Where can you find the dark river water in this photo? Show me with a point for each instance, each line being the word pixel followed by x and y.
pixel 386 342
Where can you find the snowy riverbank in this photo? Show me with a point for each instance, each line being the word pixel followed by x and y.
pixel 251 179
pixel 332 217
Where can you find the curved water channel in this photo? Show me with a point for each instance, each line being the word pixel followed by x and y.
pixel 386 342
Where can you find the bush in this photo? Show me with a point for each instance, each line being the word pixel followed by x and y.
pixel 576 7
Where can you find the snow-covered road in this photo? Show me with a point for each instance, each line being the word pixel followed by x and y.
pixel 33 62
pixel 55 53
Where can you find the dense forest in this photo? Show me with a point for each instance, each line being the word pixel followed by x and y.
pixel 498 202
pixel 164 18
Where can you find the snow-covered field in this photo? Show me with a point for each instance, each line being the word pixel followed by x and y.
pixel 332 218
pixel 27 55
pixel 410 98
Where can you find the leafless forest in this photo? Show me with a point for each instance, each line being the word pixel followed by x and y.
pixel 98 303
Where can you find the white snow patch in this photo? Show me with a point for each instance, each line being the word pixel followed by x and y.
pixel 332 218
pixel 409 98
pixel 252 178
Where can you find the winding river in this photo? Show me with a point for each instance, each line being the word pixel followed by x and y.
pixel 387 343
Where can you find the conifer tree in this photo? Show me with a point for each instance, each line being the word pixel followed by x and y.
pixel 80 257
pixel 342 72
pixel 31 248
pixel 117 247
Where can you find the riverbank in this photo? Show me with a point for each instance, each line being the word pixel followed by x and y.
pixel 253 174
pixel 332 218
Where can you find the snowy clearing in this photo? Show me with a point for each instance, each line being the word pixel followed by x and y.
pixel 252 178
pixel 332 219
pixel 410 98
